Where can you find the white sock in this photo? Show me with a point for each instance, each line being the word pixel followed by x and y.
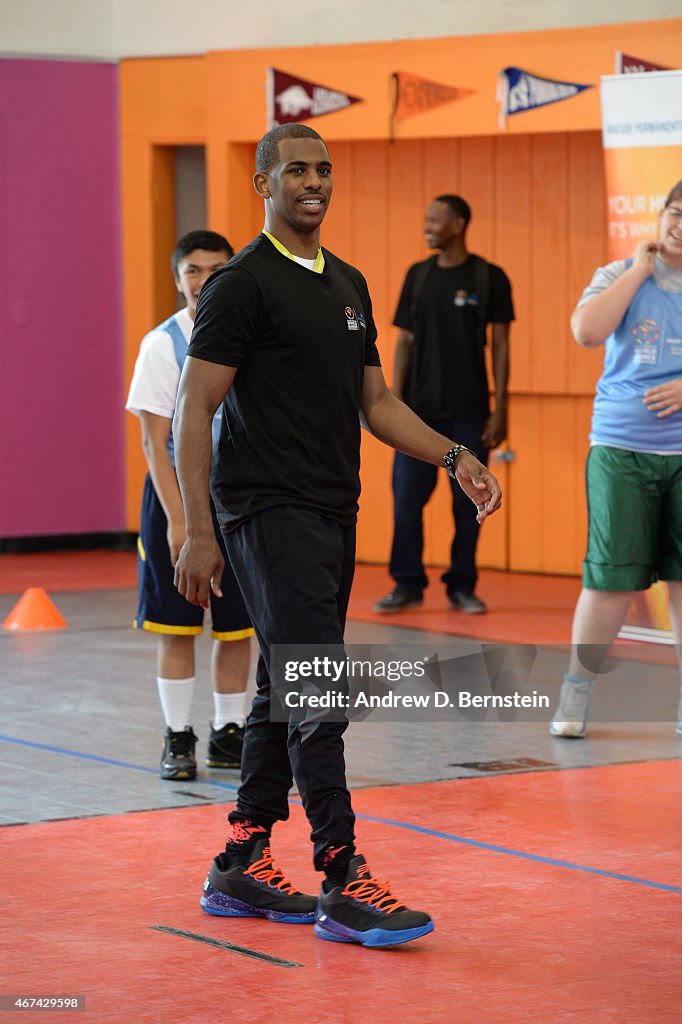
pixel 229 707
pixel 176 701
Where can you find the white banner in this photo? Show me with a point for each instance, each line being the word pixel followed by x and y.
pixel 642 110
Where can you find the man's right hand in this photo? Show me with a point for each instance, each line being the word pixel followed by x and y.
pixel 479 484
pixel 199 570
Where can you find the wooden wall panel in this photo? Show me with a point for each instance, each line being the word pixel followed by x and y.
pixel 478 187
pixel 372 206
pixel 549 232
pixel 441 170
pixel 438 525
pixel 557 457
pixel 405 239
pixel 148 227
pixel 586 246
pixel 582 417
pixel 547 512
pixel 525 490
pixel 513 247
pixel 339 224
pixel 493 543
pixel 163 230
pixel 372 209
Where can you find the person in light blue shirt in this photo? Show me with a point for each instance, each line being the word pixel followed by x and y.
pixel 634 470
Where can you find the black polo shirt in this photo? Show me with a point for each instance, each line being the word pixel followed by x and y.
pixel 447 376
pixel 300 340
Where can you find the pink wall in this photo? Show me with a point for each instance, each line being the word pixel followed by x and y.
pixel 61 433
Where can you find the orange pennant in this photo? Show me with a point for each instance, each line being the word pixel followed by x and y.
pixel 416 95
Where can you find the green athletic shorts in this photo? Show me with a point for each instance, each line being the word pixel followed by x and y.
pixel 634 503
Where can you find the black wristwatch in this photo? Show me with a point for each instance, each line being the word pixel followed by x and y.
pixel 450 458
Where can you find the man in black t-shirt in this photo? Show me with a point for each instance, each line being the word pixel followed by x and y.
pixel 444 309
pixel 284 338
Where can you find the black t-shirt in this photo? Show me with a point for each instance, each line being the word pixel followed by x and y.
pixel 301 340
pixel 447 376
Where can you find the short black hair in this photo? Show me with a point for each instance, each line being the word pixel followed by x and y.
pixel 267 150
pixel 209 240
pixel 458 206
pixel 675 194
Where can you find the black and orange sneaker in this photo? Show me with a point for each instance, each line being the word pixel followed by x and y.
pixel 178 760
pixel 365 911
pixel 257 889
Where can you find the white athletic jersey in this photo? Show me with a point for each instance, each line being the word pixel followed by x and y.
pixel 154 387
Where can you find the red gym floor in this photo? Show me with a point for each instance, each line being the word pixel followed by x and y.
pixel 524 607
pixel 556 894
pixel 556 898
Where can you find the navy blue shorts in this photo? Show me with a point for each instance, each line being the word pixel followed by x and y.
pixel 160 607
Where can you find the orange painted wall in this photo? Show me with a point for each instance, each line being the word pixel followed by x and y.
pixel 538 197
pixel 162 104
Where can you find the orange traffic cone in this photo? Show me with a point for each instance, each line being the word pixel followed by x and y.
pixel 34 610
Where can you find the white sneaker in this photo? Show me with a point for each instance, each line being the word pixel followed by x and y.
pixel 570 718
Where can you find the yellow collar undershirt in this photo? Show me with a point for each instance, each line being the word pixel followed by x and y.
pixel 319 259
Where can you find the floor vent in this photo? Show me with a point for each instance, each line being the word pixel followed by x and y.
pixel 517 764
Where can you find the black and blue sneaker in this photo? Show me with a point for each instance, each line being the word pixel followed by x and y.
pixel 365 911
pixel 257 889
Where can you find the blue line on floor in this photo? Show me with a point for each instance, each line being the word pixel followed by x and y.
pixel 490 847
pixel 108 760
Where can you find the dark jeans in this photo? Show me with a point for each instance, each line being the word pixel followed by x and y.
pixel 295 568
pixel 413 485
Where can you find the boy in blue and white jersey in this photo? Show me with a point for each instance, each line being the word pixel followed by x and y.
pixel 161 610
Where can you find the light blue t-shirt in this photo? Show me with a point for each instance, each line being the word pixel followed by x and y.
pixel 644 350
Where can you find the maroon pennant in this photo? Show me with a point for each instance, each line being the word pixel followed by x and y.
pixel 626 64
pixel 295 99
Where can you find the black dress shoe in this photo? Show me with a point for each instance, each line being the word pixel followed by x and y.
pixel 398 600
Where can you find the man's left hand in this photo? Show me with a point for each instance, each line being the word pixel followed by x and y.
pixel 479 484
pixel 495 429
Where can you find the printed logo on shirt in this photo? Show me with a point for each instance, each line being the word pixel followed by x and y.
pixel 463 298
pixel 646 334
pixel 355 320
